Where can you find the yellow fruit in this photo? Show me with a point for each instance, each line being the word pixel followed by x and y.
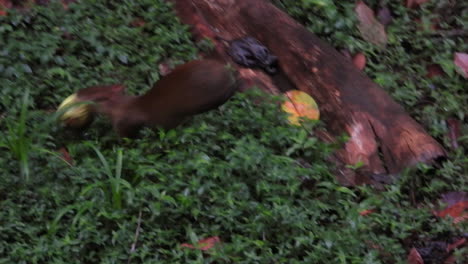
pixel 75 116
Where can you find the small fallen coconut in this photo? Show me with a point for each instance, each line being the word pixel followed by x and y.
pixel 76 116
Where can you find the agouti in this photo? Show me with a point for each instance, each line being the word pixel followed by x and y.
pixel 190 89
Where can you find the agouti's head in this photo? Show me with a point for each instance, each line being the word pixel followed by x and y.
pixel 101 99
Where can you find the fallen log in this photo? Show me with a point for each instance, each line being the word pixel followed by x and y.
pixel 383 136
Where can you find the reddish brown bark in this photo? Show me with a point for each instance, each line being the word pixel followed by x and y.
pixel 382 135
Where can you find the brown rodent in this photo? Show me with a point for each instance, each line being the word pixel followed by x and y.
pixel 190 89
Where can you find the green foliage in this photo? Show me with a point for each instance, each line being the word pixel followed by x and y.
pixel 114 188
pixel 53 52
pixel 331 20
pixel 239 172
pixel 16 140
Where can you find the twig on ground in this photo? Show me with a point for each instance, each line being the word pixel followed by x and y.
pixel 135 238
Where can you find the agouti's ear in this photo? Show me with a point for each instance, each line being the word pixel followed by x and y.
pixel 99 93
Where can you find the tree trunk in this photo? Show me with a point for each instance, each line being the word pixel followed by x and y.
pixel 382 136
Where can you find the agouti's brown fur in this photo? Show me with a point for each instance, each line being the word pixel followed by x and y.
pixel 190 89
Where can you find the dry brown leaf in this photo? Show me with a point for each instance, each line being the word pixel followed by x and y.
pixel 415 3
pixel 450 260
pixel 454 131
pixel 4 5
pixel 366 212
pixel 455 210
pixel 204 244
pixel 371 29
pixel 456 244
pixel 434 70
pixel 460 219
pixel 66 155
pixel 433 25
pixel 461 60
pixel 138 22
pixel 165 67
pixel 414 257
pixel 457 206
